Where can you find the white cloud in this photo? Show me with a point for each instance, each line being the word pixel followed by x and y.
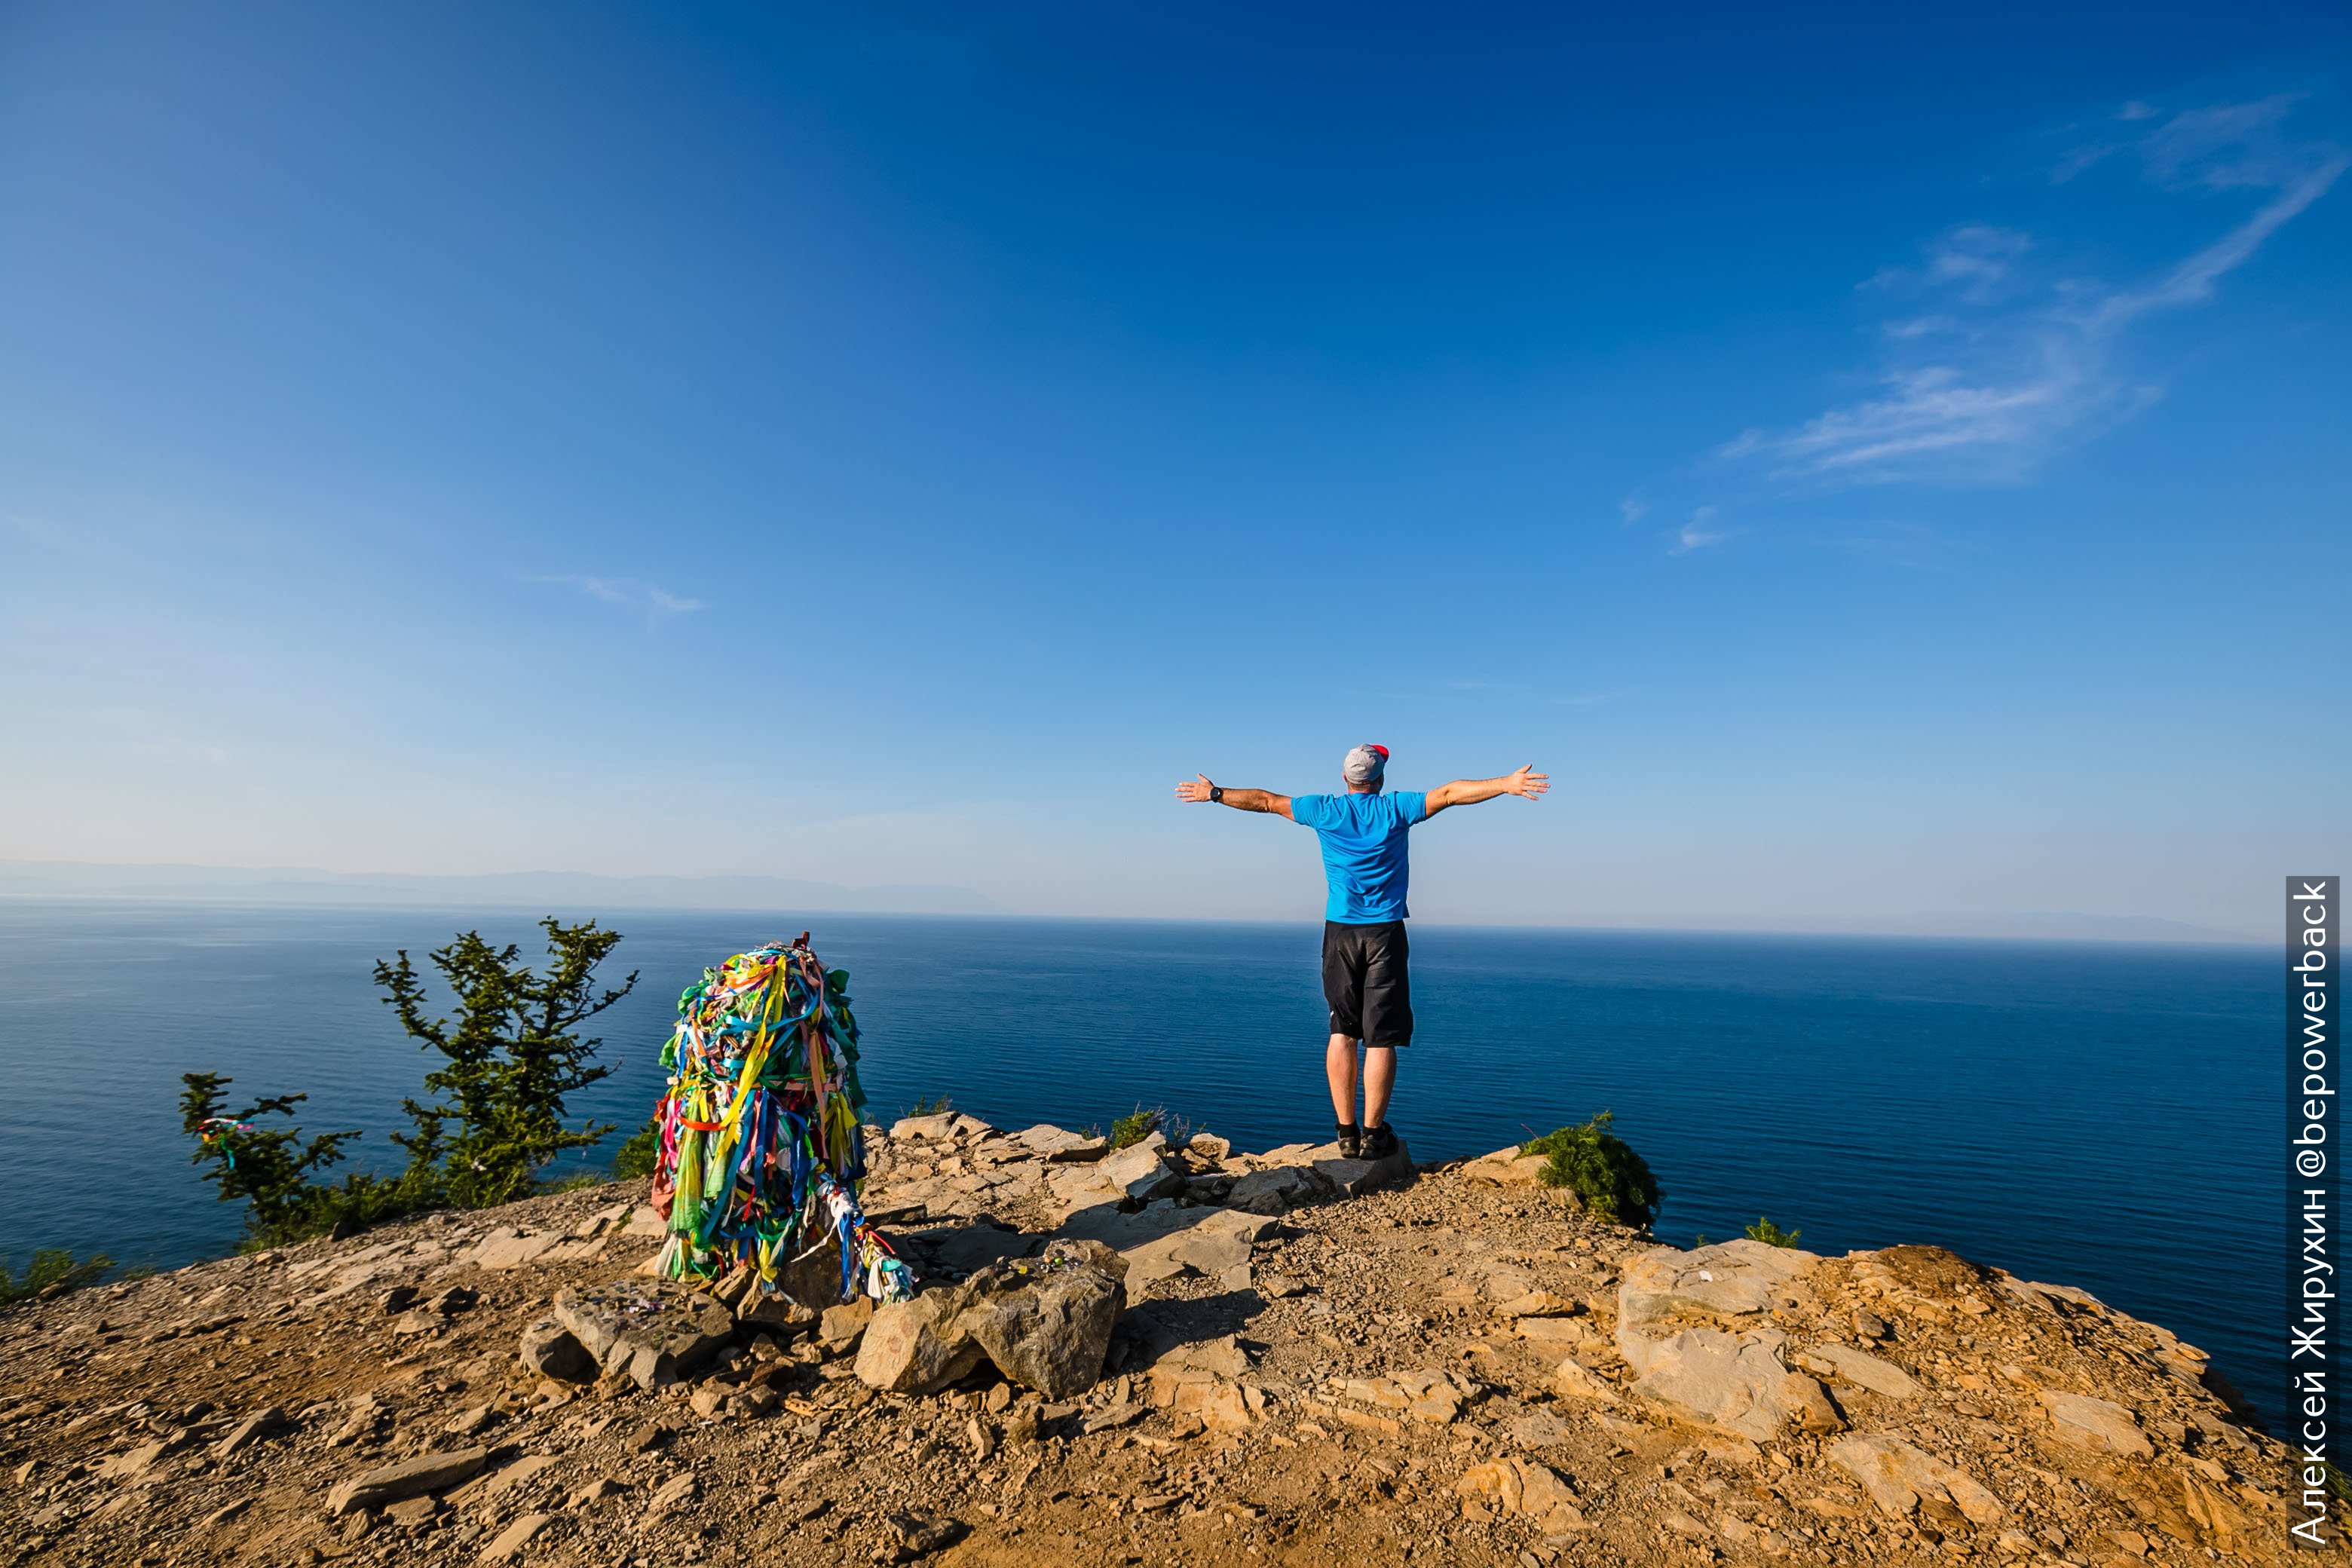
pixel 1989 367
pixel 629 593
pixel 1697 534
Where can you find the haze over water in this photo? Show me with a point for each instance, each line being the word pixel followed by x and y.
pixel 2087 1113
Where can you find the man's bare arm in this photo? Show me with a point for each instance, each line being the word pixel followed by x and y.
pixel 1470 792
pixel 1239 799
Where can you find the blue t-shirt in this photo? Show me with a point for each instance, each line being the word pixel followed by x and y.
pixel 1363 850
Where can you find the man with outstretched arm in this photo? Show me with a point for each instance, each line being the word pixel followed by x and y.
pixel 1364 954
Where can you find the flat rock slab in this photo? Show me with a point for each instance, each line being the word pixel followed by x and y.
pixel 1730 1283
pixel 1898 1477
pixel 507 1247
pixel 2098 1423
pixel 410 1478
pixel 1860 1368
pixel 1061 1144
pixel 961 1248
pixel 1122 1232
pixel 1735 1381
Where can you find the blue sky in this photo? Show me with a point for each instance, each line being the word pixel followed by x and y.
pixel 1879 466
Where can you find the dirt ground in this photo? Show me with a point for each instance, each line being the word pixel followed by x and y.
pixel 1381 1383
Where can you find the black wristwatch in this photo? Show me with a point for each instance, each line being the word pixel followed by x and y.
pixel 1217 793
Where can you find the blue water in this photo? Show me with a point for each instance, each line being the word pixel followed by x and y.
pixel 2094 1115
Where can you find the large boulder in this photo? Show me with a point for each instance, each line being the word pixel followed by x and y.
pixel 552 1351
pixel 938 1124
pixel 1734 1382
pixel 651 1332
pixel 1694 1328
pixel 1139 1172
pixel 918 1346
pixel 1044 1321
pixel 1507 1167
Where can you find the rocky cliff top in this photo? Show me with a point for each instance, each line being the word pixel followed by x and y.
pixel 1303 1360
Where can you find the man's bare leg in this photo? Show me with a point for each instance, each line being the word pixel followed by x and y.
pixel 1379 1077
pixel 1339 1067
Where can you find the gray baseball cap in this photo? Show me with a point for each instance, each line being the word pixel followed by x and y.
pixel 1365 765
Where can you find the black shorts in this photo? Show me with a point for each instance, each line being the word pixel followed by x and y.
pixel 1365 982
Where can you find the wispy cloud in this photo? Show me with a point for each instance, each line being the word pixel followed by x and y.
pixel 1697 532
pixel 1988 365
pixel 628 592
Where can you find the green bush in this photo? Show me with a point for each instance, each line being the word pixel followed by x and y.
pixel 1136 1126
pixel 269 1168
pixel 53 1267
pixel 933 1107
pixel 1771 1235
pixel 1613 1183
pixel 510 1056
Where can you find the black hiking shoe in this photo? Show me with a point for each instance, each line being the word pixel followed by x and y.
pixel 1351 1140
pixel 1379 1143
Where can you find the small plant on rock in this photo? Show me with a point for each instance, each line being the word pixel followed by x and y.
pixel 1137 1125
pixel 938 1105
pixel 1771 1235
pixel 1613 1183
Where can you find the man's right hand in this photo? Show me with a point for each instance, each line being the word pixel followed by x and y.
pixel 1194 791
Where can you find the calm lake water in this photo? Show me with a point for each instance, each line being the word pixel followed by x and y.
pixel 2094 1115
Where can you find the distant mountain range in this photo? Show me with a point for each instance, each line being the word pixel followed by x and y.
pixel 534 889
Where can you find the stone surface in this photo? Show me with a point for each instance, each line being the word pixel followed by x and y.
pixel 649 1333
pixel 1139 1173
pixel 1571 1380
pixel 840 1327
pixel 516 1536
pixel 937 1126
pixel 1731 1283
pixel 550 1350
pixel 1279 1190
pixel 1046 1322
pixel 1860 1368
pixel 1898 1478
pixel 2100 1425
pixel 1734 1382
pixel 1526 1488
pixel 1356 1177
pixel 505 1247
pixel 916 1347
pixel 1507 1167
pixel 409 1477
pixel 261 1424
